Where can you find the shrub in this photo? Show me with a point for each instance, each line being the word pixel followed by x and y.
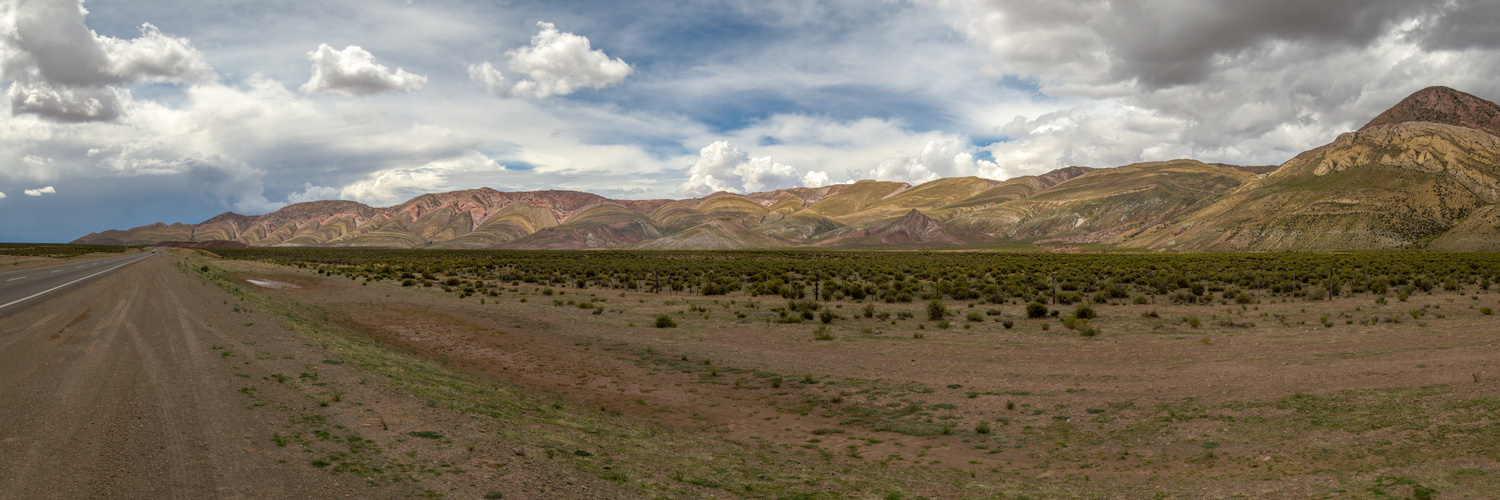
pixel 975 316
pixel 665 321
pixel 869 310
pixel 936 310
pixel 1085 312
pixel 1486 311
pixel 408 282
pixel 1036 310
pixel 982 428
pixel 822 333
pixel 826 316
pixel 1008 324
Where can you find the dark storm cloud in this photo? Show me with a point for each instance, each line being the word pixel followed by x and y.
pixel 1174 42
pixel 1471 24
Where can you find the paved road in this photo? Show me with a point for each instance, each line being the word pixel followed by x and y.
pixel 19 288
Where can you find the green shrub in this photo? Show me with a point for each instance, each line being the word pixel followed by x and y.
pixel 1036 310
pixel 665 321
pixel 1085 312
pixel 975 316
pixel 936 310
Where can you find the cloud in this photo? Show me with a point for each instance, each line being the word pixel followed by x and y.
pixel 1218 80
pixel 947 157
pixel 42 191
pixel 711 173
pixel 764 174
pixel 815 179
pixel 64 104
pixel 60 70
pixel 354 72
pixel 2 195
pixel 1162 43
pixel 723 167
pixel 556 63
pixel 389 187
pixel 485 75
pixel 229 183
pixel 313 193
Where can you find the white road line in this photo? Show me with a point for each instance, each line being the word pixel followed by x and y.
pixel 13 279
pixel 57 271
pixel 53 289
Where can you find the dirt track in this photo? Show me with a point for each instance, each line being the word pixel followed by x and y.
pixel 114 390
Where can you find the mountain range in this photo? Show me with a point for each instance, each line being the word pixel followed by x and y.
pixel 1424 174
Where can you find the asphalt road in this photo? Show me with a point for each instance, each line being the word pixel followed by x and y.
pixel 19 288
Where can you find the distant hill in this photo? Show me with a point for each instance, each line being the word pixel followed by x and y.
pixel 1424 174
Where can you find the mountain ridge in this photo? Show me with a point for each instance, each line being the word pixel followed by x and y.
pixel 1424 173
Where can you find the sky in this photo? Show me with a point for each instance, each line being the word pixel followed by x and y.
pixel 125 113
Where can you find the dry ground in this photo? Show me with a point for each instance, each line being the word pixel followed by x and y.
pixel 1276 399
pixel 175 377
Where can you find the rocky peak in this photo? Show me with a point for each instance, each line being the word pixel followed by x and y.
pixel 918 226
pixel 1062 175
pixel 1442 105
pixel 237 220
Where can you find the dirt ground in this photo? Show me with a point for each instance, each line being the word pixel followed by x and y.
pixel 1276 399
pixel 147 383
pixel 176 377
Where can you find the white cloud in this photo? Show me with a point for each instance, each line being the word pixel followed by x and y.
pixel 815 179
pixel 354 72
pixel 2 195
pixel 42 191
pixel 485 75
pixel 711 173
pixel 154 57
pixel 314 193
pixel 722 167
pixel 393 186
pixel 61 70
pixel 945 157
pixel 556 63
pixel 764 174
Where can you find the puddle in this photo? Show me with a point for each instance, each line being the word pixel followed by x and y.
pixel 272 284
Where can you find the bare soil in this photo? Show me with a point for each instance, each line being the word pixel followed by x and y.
pixel 147 383
pixel 1276 399
pixel 163 380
